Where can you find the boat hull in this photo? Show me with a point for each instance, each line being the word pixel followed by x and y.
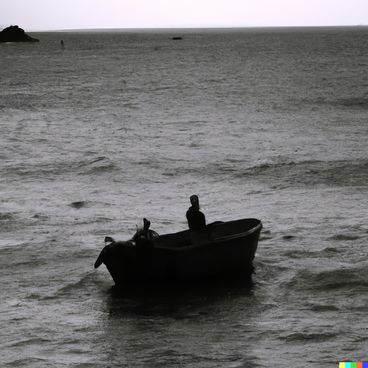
pixel 222 248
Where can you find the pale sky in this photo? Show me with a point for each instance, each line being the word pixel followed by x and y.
pixel 86 14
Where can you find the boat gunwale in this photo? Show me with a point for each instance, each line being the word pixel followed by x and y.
pixel 216 240
pixel 238 235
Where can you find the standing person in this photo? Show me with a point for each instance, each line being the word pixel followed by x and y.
pixel 196 219
pixel 196 222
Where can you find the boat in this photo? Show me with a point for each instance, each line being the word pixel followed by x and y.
pixel 218 249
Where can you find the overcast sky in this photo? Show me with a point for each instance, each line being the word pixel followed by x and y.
pixel 86 14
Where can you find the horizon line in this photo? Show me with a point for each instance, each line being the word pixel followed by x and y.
pixel 184 27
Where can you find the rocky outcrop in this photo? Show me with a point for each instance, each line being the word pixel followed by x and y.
pixel 15 34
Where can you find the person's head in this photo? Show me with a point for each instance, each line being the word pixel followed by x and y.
pixel 194 201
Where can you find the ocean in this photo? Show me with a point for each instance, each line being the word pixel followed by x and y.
pixel 117 125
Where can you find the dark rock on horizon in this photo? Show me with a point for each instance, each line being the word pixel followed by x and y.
pixel 15 34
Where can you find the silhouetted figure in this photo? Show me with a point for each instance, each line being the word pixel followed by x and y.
pixel 139 247
pixel 143 238
pixel 196 219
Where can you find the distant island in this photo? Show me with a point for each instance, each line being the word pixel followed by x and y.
pixel 15 34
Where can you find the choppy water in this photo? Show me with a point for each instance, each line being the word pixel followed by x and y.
pixel 117 126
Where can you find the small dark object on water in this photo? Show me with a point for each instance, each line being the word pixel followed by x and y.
pixel 177 38
pixel 77 205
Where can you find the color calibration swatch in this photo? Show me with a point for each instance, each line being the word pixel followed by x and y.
pixel 353 365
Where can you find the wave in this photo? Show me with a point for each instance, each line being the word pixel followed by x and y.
pixel 359 102
pixel 310 337
pixel 35 341
pixel 310 173
pixel 343 237
pixel 50 170
pixel 313 165
pixel 353 102
pixel 84 281
pixel 353 278
pixel 29 362
pixel 97 165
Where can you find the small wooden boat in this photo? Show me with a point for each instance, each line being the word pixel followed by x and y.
pixel 220 248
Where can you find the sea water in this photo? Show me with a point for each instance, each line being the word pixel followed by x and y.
pixel 117 125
